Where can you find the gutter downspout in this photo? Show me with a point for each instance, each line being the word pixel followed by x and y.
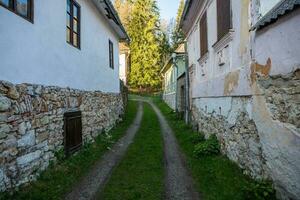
pixel 176 75
pixel 187 85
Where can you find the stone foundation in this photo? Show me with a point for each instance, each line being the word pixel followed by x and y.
pixel 229 119
pixel 260 132
pixel 32 125
pixel 170 99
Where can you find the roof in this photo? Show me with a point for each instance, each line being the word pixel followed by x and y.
pixel 280 9
pixel 190 13
pixel 106 8
pixel 170 62
pixel 180 49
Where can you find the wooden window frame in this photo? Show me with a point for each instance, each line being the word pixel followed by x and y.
pixel 224 18
pixel 71 28
pixel 111 54
pixel 13 8
pixel 203 35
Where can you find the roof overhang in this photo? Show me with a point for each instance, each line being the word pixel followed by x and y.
pixel 169 62
pixel 280 9
pixel 106 8
pixel 189 15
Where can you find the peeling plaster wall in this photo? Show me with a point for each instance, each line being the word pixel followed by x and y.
pixel 252 102
pixel 280 42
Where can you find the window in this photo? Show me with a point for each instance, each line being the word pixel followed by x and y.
pixel 23 8
pixel 111 54
pixel 223 17
pixel 73 23
pixel 203 35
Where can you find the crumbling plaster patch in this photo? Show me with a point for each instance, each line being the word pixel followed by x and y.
pixel 281 146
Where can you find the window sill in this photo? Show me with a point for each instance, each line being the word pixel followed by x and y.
pixel 223 42
pixel 74 46
pixel 203 58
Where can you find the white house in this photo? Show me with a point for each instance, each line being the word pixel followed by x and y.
pixel 244 58
pixel 172 70
pixel 124 63
pixel 59 80
pixel 38 42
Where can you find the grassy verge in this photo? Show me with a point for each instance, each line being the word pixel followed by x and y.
pixel 215 176
pixel 140 174
pixel 58 179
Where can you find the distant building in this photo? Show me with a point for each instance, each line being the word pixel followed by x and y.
pixel 244 66
pixel 59 81
pixel 124 61
pixel 172 70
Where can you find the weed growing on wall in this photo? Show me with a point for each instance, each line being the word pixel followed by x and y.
pixel 208 147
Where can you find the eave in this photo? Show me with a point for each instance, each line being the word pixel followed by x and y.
pixel 106 8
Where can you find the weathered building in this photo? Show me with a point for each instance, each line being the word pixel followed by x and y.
pixel 173 69
pixel 124 60
pixel 244 59
pixel 59 81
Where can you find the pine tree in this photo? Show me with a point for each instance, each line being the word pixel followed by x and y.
pixel 124 8
pixel 177 35
pixel 144 31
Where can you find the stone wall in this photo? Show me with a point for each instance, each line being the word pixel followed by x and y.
pixel 170 99
pixel 32 121
pixel 230 119
pixel 259 132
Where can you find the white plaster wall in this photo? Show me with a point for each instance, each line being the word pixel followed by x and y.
pixel 210 77
pixel 122 68
pixel 38 53
pixel 170 99
pixel 281 43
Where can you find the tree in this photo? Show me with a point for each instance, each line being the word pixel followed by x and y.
pixel 124 8
pixel 144 31
pixel 177 35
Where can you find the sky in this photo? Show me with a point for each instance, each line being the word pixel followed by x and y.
pixel 168 8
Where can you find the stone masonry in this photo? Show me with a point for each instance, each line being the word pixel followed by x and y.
pixel 32 121
pixel 259 132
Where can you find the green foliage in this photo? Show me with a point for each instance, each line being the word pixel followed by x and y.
pixel 260 190
pixel 177 33
pixel 145 46
pixel 140 174
pixel 197 138
pixel 215 176
pixel 209 147
pixel 60 155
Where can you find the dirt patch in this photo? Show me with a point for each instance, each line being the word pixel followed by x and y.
pixel 178 182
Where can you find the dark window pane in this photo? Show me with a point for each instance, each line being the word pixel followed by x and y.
pixel 203 35
pixel 75 12
pixel 111 55
pixel 75 26
pixel 68 20
pixel 223 17
pixel 22 7
pixel 68 6
pixel 75 40
pixel 5 2
pixel 68 35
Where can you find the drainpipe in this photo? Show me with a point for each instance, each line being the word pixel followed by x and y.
pixel 174 55
pixel 187 85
